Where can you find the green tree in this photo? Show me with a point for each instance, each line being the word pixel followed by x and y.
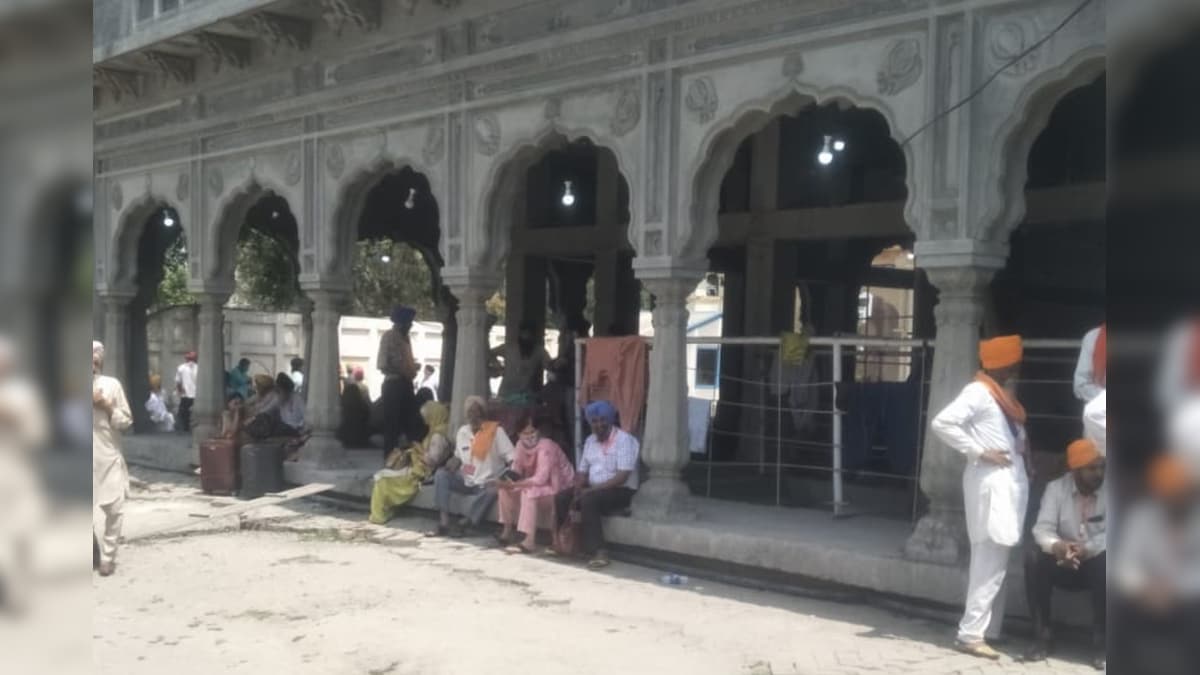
pixel 387 273
pixel 173 290
pixel 266 275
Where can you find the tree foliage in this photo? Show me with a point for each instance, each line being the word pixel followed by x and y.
pixel 387 273
pixel 266 273
pixel 173 290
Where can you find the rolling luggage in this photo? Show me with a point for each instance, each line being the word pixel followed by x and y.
pixel 219 466
pixel 262 469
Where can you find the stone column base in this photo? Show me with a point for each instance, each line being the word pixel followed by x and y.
pixel 940 537
pixel 324 452
pixel 664 499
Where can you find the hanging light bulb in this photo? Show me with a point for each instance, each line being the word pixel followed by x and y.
pixel 825 156
pixel 168 221
pixel 839 145
pixel 412 199
pixel 568 197
pixel 385 258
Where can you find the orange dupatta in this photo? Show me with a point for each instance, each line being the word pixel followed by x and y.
pixel 1013 410
pixel 481 444
pixel 1100 357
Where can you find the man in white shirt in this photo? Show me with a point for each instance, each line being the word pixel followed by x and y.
pixel 605 480
pixel 185 387
pixel 1091 370
pixel 1095 422
pixel 986 423
pixel 110 478
pixel 1070 534
pixel 298 374
pixel 482 451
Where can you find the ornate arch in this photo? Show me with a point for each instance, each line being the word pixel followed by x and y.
pixel 720 143
pixel 220 257
pixel 1009 153
pixel 131 223
pixel 351 200
pixel 506 174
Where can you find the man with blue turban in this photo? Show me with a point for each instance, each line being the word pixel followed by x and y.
pixel 605 480
pixel 396 362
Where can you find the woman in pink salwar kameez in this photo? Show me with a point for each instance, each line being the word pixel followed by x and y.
pixel 542 471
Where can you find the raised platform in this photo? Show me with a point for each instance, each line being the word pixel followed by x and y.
pixel 862 552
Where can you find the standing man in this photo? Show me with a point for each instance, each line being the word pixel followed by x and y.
pixel 1091 370
pixel 298 374
pixel 395 361
pixel 185 387
pixel 987 424
pixel 1071 542
pixel 110 477
pixel 429 381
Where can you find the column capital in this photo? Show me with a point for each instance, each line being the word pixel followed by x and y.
pixel 116 298
pixel 960 281
pixel 671 291
pixel 650 269
pixel 469 286
pixel 325 299
pixel 938 253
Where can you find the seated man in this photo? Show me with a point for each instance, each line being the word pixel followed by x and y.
pixel 482 451
pixel 605 481
pixel 1070 553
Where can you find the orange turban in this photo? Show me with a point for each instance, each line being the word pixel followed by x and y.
pixel 1080 453
pixel 1168 476
pixel 1000 352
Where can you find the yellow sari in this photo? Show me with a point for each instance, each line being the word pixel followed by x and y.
pixel 394 488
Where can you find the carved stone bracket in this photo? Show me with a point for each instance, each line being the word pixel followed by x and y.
pixel 179 69
pixel 282 30
pixel 487 134
pixel 118 82
pixel 225 50
pixel 701 100
pixel 366 14
pixel 628 111
pixel 901 67
pixel 435 145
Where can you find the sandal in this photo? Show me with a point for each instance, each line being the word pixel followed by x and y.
pixel 598 562
pixel 518 549
pixel 439 531
pixel 980 649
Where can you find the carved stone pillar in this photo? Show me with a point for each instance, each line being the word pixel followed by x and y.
pixel 470 354
pixel 665 444
pixel 210 373
pixel 116 336
pixel 940 536
pixel 447 310
pixel 322 413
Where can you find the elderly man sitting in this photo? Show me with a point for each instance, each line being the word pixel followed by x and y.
pixel 605 480
pixel 1070 553
pixel 482 452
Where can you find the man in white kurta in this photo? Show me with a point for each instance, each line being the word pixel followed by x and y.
pixel 986 424
pixel 1095 422
pixel 110 478
pixel 1091 372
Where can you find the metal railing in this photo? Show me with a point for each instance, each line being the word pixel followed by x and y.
pixel 760 411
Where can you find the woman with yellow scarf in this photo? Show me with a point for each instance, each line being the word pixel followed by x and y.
pixel 400 480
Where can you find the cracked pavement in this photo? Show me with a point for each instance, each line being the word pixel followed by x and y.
pixel 307 588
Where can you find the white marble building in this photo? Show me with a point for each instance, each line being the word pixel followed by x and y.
pixel 208 108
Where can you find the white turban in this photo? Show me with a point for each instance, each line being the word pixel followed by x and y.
pixel 97 350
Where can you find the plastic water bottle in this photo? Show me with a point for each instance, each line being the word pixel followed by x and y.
pixel 673 579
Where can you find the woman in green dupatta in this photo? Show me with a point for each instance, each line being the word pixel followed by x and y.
pixel 400 480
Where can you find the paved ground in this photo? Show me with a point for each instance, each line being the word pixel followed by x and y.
pixel 309 589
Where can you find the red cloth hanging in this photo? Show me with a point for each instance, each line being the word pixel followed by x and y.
pixel 614 369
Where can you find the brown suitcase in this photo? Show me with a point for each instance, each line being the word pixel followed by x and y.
pixel 219 466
